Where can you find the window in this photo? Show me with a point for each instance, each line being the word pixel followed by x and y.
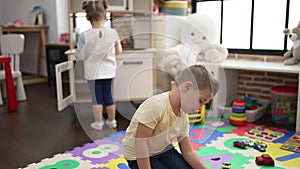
pixel 293 19
pixel 211 9
pixel 252 26
pixel 268 24
pixel 236 24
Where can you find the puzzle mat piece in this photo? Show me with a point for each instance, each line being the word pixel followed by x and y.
pixel 62 161
pixel 214 158
pixel 98 152
pixel 240 130
pixel 118 137
pixel 197 146
pixel 253 165
pixel 204 136
pixel 199 133
pixel 286 158
pixel 219 124
pixel 265 133
pixel 119 163
pixel 225 143
pixel 286 136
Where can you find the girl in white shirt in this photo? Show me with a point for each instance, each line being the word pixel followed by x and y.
pixel 97 47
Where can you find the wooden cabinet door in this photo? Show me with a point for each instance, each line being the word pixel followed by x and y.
pixel 134 78
pixel 64 100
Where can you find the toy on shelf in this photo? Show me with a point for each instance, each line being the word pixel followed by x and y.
pixel 265 134
pixel 238 115
pixel 284 104
pixel 293 143
pixel 19 22
pixel 292 56
pixel 198 41
pixel 264 159
pixel 251 104
pixel 255 109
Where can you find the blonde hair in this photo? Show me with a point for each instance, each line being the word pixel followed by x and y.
pixel 200 76
pixel 95 9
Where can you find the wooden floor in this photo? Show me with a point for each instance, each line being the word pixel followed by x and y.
pixel 39 131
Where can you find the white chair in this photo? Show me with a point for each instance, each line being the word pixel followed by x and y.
pixel 13 45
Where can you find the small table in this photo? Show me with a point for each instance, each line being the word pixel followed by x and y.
pixel 41 29
pixel 12 103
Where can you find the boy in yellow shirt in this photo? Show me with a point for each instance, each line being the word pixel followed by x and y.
pixel 162 118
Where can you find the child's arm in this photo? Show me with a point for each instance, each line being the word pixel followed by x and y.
pixel 189 155
pixel 80 52
pixel 141 146
pixel 118 47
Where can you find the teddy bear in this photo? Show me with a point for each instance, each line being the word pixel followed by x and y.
pixel 294 52
pixel 197 42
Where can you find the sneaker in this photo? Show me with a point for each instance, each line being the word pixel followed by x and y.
pixel 111 124
pixel 97 125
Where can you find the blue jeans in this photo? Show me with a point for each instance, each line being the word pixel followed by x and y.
pixel 170 159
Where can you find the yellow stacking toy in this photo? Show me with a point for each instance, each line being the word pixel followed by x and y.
pixel 238 116
pixel 198 117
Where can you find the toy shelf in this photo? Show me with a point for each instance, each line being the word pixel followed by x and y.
pixel 227 72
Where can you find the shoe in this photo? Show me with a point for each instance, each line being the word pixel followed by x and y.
pixel 97 125
pixel 111 124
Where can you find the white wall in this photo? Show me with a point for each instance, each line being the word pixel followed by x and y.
pixel 55 16
pixel 62 17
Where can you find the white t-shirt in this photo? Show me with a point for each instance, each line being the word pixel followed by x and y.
pixel 155 113
pixel 96 47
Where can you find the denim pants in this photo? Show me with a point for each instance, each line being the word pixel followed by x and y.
pixel 170 159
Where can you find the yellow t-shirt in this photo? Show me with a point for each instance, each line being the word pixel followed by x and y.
pixel 155 113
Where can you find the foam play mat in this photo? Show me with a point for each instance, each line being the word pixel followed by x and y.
pixel 212 141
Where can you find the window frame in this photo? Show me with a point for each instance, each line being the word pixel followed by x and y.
pixel 250 50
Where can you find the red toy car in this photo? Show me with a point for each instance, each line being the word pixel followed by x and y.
pixel 240 144
pixel 264 159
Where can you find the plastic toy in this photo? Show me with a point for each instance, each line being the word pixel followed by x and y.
pixel 226 166
pixel 249 143
pixel 238 123
pixel 238 119
pixel 264 159
pixel 284 104
pixel 292 144
pixel 239 143
pixel 198 117
pixel 260 143
pixel 19 22
pixel 251 104
pixel 264 134
pixel 238 115
pixel 259 148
